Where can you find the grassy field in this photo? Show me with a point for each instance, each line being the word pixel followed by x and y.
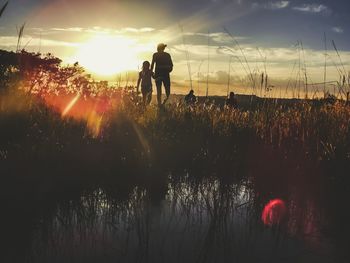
pixel 88 174
pixel 78 156
pixel 51 117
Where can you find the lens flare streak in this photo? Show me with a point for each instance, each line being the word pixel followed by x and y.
pixel 94 123
pixel 70 105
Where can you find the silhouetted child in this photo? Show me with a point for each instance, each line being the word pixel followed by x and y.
pixel 231 101
pixel 145 79
pixel 190 98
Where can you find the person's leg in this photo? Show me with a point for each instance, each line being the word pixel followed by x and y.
pixel 144 95
pixel 166 82
pixel 149 97
pixel 159 90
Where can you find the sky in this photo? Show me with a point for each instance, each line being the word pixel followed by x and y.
pixel 284 39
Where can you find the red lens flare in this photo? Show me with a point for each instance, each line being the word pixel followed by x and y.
pixel 76 106
pixel 90 109
pixel 274 212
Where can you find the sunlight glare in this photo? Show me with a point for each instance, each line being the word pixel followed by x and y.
pixel 107 55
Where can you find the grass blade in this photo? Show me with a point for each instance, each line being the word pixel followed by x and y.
pixel 20 35
pixel 3 8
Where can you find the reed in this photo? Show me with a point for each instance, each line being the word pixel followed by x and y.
pixel 20 32
pixel 3 8
pixel 307 125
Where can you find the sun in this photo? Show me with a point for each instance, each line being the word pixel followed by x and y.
pixel 108 55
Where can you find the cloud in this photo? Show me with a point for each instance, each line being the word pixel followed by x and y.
pixel 277 5
pixel 272 5
pixel 11 41
pixel 218 37
pixel 338 30
pixel 280 62
pixel 97 29
pixel 313 8
pixel 69 29
pixel 135 30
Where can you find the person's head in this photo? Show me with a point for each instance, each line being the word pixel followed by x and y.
pixel 191 92
pixel 161 47
pixel 146 65
pixel 232 94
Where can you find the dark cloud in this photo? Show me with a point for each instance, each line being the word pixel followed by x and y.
pixel 266 22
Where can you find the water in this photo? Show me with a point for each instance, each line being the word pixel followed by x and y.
pixel 176 217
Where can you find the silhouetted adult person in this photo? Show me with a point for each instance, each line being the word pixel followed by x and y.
pixel 163 66
pixel 231 101
pixel 190 98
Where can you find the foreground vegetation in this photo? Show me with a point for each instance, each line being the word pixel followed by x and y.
pixel 317 132
pixel 88 173
pixel 89 169
pixel 102 126
pixel 75 179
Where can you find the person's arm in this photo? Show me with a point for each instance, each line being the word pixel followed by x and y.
pixel 153 61
pixel 170 64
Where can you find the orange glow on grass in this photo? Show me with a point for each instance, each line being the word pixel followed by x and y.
pixel 91 109
pixel 94 123
pixel 274 212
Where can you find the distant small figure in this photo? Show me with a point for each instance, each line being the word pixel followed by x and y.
pixel 329 98
pixel 145 79
pixel 231 101
pixel 190 98
pixel 163 66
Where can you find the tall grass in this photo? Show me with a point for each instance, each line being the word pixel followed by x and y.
pixel 153 179
pixel 20 32
pixel 317 129
pixel 3 8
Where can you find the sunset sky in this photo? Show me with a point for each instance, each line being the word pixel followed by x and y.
pixel 111 36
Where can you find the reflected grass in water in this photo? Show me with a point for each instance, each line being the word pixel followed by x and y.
pixel 193 220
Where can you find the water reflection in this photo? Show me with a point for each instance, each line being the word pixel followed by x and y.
pixel 183 218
